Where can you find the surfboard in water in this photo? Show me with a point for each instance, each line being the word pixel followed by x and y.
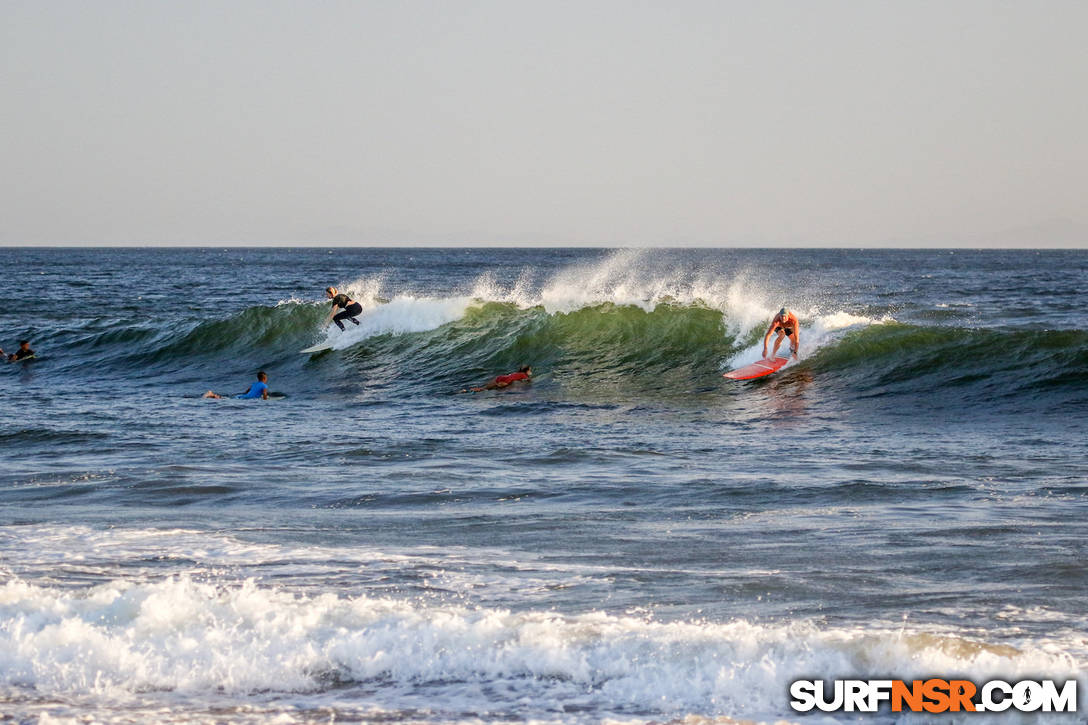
pixel 758 369
pixel 319 347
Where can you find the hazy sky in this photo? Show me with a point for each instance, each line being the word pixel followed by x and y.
pixel 587 122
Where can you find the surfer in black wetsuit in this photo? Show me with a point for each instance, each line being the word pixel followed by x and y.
pixel 786 324
pixel 24 352
pixel 348 307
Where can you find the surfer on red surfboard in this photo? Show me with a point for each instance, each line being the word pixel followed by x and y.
pixel 786 324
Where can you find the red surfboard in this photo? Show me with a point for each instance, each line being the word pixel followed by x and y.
pixel 766 366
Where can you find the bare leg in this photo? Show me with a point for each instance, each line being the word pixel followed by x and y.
pixel 778 343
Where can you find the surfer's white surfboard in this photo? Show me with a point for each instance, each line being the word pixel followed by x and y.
pixel 319 347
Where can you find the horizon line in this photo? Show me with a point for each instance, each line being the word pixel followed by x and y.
pixel 255 245
pixel 524 245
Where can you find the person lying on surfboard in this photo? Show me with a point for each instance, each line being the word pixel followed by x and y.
pixel 525 372
pixel 258 389
pixel 785 323
pixel 348 307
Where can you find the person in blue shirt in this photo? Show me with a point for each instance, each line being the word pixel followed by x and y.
pixel 258 389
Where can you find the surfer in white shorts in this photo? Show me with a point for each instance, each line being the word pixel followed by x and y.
pixel 786 324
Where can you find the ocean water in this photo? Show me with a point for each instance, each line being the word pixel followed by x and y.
pixel 630 538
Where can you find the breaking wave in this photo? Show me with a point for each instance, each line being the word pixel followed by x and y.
pixel 620 318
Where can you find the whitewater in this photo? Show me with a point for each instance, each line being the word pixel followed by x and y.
pixel 626 279
pixel 630 538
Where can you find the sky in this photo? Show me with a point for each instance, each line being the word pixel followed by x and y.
pixel 506 122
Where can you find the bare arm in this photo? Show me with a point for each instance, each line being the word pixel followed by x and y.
pixel 770 331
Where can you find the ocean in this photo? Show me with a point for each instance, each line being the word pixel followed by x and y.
pixel 629 538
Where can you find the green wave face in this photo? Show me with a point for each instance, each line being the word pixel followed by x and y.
pixel 253 330
pixel 1002 361
pixel 256 327
pixel 603 345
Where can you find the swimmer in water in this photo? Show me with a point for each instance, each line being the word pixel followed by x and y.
pixel 524 373
pixel 348 307
pixel 24 352
pixel 258 389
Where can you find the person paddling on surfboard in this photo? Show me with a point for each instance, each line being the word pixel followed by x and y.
pixel 348 307
pixel 525 372
pixel 785 323
pixel 258 389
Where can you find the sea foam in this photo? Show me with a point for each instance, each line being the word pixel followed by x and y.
pixel 207 626
pixel 240 638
